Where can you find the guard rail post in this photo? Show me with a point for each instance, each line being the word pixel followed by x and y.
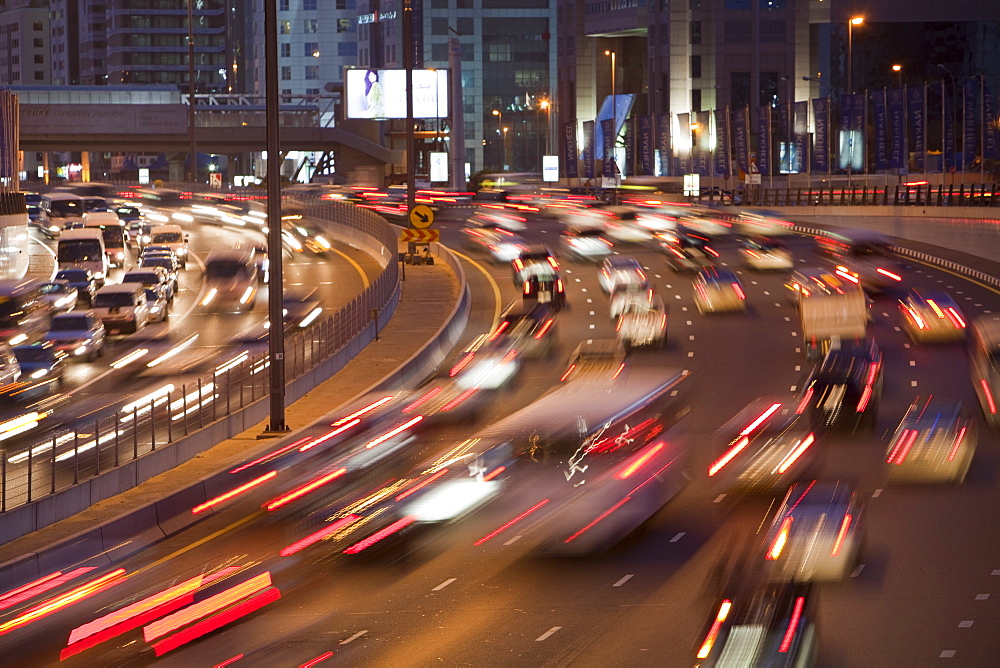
pixel 135 432
pixel 76 457
pixel 170 428
pixel 52 473
pixel 97 445
pixel 184 407
pixel 117 454
pixel 30 467
pixel 3 483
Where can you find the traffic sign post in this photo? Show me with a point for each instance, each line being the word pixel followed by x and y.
pixel 419 236
pixel 421 216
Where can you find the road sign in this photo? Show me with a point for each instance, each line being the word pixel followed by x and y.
pixel 419 236
pixel 753 167
pixel 753 179
pixel 422 216
pixel 215 179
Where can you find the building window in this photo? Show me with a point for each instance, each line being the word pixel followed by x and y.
pixel 439 52
pixel 312 91
pixel 286 72
pixel 38 42
pixel 284 27
pixel 39 76
pixel 39 59
pixel 286 50
pixel 283 5
pixel 496 53
pixel 349 49
pixel 343 25
pixel 341 4
pixel 312 71
pixel 466 26
pixel 308 4
pixel 286 95
pixel 312 26
pixel 439 26
pixel 311 50
pixel 37 26
pixel 695 67
pixel 696 100
pixel 696 32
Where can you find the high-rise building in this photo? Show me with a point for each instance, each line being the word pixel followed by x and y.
pixel 24 44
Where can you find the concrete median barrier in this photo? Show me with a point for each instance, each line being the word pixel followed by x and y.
pixel 131 533
pixel 173 513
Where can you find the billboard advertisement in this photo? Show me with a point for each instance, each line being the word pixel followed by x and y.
pixel 381 94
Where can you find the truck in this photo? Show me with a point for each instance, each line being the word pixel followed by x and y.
pixel 832 308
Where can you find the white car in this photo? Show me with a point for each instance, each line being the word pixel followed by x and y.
pixel 930 315
pixel 499 244
pixel 935 442
pixel 718 290
pixel 765 254
pixel 621 270
pixel 79 334
pixel 643 324
pixel 156 300
pixel 60 294
pixel 586 243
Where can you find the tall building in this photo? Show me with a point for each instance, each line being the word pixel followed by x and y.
pixel 24 43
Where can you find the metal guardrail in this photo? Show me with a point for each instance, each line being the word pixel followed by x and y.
pixel 976 195
pixel 171 412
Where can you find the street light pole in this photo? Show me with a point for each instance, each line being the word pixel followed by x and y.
pixel 193 150
pixel 856 21
pixel 898 69
pixel 499 115
pixel 614 115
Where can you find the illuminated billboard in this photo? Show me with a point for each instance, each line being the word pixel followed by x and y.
pixel 381 94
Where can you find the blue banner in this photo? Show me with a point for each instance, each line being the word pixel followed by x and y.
pixel 741 137
pixel 704 136
pixel 663 144
pixel 844 152
pixel 991 134
pixel 644 145
pixel 880 109
pixel 608 167
pixel 970 125
pixel 722 142
pixel 571 158
pixel 898 159
pixel 628 169
pixel 858 109
pixel 588 149
pixel 800 136
pixel 764 140
pixel 948 127
pixel 916 112
pixel 783 133
pixel 821 138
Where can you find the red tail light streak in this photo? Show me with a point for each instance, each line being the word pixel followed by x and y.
pixel 573 366
pixel 598 519
pixel 367 409
pixel 957 444
pixel 330 434
pixel 499 330
pixel 839 542
pixel 797 452
pixel 298 493
pixel 395 527
pixel 494 473
pixel 222 498
pixel 989 396
pixel 903 445
pixel 713 633
pixel 270 456
pixel 317 536
pixel 459 399
pixel 545 328
pixel 319 659
pixel 40 586
pixel 760 419
pixel 793 624
pixel 64 600
pixel 420 485
pixel 889 274
pixel 727 457
pixel 779 541
pixel 512 522
pixel 241 609
pixel 639 461
pixel 211 604
pixel 422 400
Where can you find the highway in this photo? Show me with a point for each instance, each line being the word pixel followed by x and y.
pixel 925 588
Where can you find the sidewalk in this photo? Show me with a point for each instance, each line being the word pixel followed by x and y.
pixel 428 296
pixel 41 261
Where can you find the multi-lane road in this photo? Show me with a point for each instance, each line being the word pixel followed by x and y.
pixel 924 590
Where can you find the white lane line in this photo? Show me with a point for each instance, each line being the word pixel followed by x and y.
pixel 798 350
pixel 577 280
pixel 691 354
pixel 680 534
pixel 947 654
pixel 906 345
pixel 590 301
pixel 787 319
pixel 354 637
pixel 583 289
pixel 793 388
pixel 690 322
pixel 966 624
pixel 592 313
pixel 884 314
pixel 996 571
pixel 778 304
pixel 592 326
pixel 719 498
pixel 982 597
pixel 444 584
pixel 690 337
pixel 622 581
pixel 547 633
pixel 767 293
pixel 857 571
pixel 798 367
pixel 913 383
pixel 896 328
pixel 513 540
pixel 795 333
pixel 657 276
pixel 877 493
pixel 913 362
pixel 685 372
pixel 684 308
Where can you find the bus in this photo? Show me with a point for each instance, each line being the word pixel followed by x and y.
pixel 83 248
pixel 60 210
pixel 113 232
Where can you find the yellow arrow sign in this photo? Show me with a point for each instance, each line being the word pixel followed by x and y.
pixel 421 216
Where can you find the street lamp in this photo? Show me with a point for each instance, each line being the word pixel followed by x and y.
pixel 505 161
pixel 499 115
pixel 898 69
pixel 822 83
pixel 856 21
pixel 547 106
pixel 614 112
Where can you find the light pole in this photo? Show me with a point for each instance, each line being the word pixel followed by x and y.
pixel 898 69
pixel 547 106
pixel 950 120
pixel 499 115
pixel 855 21
pixel 822 83
pixel 614 114
pixel 504 136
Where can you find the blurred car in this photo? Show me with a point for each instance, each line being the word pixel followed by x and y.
pixel 497 215
pixel 159 305
pixel 586 243
pixel 815 535
pixel 529 329
pixel 10 370
pixel 128 214
pixel 766 254
pixel 866 254
pixel 932 315
pixel 706 222
pixel 643 323
pixel 60 294
pixel 534 260
pixel 545 287
pixel 164 262
pixel 41 361
pixel 81 279
pixel 151 277
pixel 685 251
pixel 984 366
pixel 300 306
pixel 769 625
pixel 621 270
pixel 768 446
pixel 624 295
pixel 620 224
pixel 845 389
pixel 500 244
pixel 718 290
pixel 935 442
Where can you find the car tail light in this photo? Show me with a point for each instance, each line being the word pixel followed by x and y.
pixel 719 463
pixel 839 542
pixel 793 623
pixel 955 318
pixel 902 447
pixel 794 455
pixel 780 540
pixel 956 444
pixel 889 274
pixel 713 633
pixel 989 396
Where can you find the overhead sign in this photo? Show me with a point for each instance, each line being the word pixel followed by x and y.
pixel 550 168
pixel 420 236
pixel 381 94
pixel 103 119
pixel 422 216
pixel 439 167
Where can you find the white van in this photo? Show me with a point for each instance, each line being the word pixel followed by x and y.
pixel 122 307
pixel 59 210
pixel 83 248
pixel 230 279
pixel 173 237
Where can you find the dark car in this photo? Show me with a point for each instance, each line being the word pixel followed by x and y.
pixel 844 391
pixel 535 260
pixel 81 279
pixel 41 362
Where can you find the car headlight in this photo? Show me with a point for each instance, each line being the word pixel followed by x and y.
pixel 54 228
pixel 119 256
pixel 156 308
pixel 99 275
pixel 182 251
pixel 81 349
pixel 41 373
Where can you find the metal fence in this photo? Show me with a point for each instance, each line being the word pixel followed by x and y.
pixel 175 410
pixel 924 194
